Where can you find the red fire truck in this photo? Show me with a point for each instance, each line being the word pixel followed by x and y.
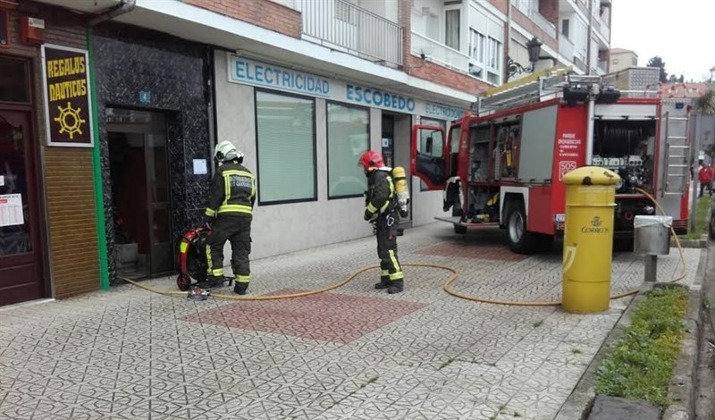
pixel 501 164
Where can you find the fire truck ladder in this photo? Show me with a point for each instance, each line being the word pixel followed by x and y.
pixel 527 90
pixel 677 154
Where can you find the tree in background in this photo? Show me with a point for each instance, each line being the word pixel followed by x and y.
pixel 658 62
pixel 706 103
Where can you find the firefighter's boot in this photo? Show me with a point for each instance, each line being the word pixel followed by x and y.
pixel 395 287
pixel 384 283
pixel 213 281
pixel 240 288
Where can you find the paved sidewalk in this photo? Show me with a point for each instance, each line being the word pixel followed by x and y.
pixel 351 353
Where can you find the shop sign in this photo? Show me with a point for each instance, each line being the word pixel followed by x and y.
pixel 245 71
pixel 67 96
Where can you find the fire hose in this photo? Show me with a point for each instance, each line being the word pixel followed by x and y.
pixel 448 287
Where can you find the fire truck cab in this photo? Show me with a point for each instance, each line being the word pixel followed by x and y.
pixel 502 163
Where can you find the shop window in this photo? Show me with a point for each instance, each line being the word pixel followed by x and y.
pixel 14 86
pixel 285 136
pixel 348 138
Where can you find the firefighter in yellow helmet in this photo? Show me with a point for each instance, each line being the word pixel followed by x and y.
pixel 381 208
pixel 229 212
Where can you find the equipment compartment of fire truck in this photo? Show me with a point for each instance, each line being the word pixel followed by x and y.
pixel 502 164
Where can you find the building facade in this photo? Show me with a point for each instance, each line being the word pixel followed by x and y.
pixel 48 226
pixel 302 87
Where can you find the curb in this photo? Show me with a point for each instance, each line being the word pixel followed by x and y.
pixel 579 403
pixel 681 389
pixel 691 243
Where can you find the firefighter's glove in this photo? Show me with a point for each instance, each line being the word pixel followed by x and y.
pixel 370 217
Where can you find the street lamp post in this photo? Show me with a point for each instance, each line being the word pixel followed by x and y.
pixel 513 68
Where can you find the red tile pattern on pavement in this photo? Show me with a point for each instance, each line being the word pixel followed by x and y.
pixel 328 317
pixel 469 250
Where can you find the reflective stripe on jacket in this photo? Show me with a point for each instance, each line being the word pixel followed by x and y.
pixel 233 190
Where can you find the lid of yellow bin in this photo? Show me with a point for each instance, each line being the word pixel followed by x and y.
pixel 591 175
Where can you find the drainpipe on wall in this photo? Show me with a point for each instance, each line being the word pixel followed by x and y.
pixel 125 7
pixel 589 37
pixel 507 43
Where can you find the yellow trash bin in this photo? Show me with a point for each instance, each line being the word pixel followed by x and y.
pixel 588 239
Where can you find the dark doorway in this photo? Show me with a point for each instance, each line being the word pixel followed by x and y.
pixel 140 192
pixel 20 254
pixel 388 139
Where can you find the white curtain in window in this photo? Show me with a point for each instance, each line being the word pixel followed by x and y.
pixel 452 28
pixel 348 138
pixel 286 147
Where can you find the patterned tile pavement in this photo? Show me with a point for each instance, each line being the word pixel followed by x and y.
pixel 354 353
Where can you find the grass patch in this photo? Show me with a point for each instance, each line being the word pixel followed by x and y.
pixel 702 213
pixel 537 324
pixel 576 351
pixel 641 364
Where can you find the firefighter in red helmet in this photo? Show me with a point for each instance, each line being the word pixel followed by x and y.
pixel 381 209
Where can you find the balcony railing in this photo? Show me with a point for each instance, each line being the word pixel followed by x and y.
pixel 600 26
pixel 440 53
pixel 530 9
pixel 344 26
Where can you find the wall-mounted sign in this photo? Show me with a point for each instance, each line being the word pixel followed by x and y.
pixel 200 167
pixel 67 96
pixel 255 73
pixel 144 96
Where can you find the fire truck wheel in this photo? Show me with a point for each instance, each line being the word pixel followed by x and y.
pixel 460 229
pixel 520 241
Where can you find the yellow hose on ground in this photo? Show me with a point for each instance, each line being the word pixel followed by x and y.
pixel 288 295
pixel 447 285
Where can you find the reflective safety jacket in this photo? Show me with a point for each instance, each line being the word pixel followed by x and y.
pixel 380 197
pixel 233 191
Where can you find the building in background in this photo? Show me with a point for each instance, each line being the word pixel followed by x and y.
pixel 303 87
pixel 622 59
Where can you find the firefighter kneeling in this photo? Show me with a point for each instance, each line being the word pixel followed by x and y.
pixel 386 195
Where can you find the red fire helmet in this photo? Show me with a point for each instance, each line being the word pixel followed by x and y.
pixel 371 159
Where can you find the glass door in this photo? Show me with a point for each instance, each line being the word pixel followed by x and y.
pixel 141 201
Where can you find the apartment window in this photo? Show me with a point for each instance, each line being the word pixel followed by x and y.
pixel 477 44
pixel 452 28
pixel 565 27
pixel 494 47
pixel 348 138
pixel 285 137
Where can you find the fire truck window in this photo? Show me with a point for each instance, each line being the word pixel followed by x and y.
pixel 429 160
pixel 431 143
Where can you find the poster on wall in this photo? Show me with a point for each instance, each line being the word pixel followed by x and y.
pixel 11 210
pixel 67 96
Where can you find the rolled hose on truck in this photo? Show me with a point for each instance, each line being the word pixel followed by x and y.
pixel 447 285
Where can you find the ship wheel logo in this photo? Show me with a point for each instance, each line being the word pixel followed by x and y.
pixel 70 120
